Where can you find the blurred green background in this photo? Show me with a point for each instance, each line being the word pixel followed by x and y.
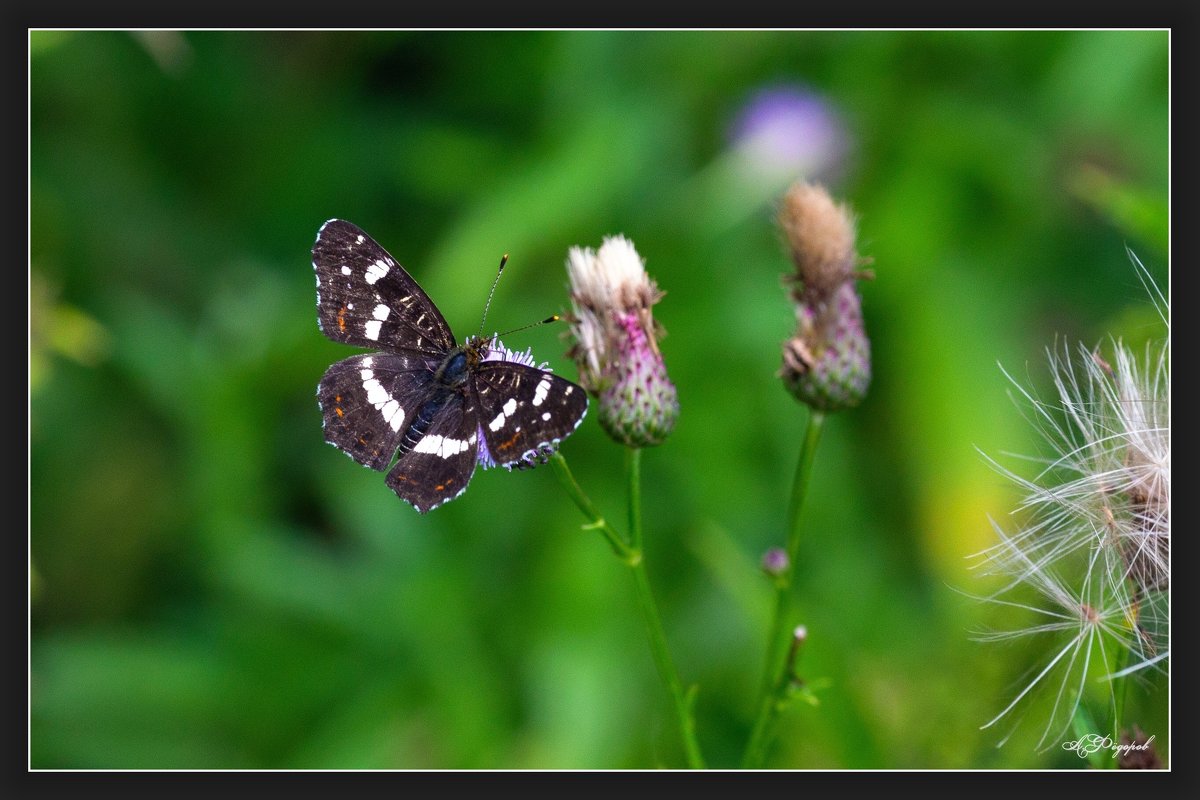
pixel 213 586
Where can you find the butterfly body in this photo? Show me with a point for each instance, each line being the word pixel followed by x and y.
pixel 437 407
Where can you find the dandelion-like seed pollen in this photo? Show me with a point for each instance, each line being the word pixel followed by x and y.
pixel 1093 542
pixel 616 342
pixel 827 362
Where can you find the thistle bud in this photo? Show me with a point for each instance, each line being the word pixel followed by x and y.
pixel 775 562
pixel 616 342
pixel 827 362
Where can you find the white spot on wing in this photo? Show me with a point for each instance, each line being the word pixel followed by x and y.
pixel 369 361
pixel 505 413
pixel 381 312
pixel 393 414
pixel 546 416
pixel 359 240
pixel 540 391
pixel 376 394
pixel 371 329
pixel 345 270
pixel 376 271
pixel 442 446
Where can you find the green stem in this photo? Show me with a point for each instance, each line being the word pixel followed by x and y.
pixel 1119 695
pixel 654 627
pixel 615 540
pixel 1120 689
pixel 631 555
pixel 775 672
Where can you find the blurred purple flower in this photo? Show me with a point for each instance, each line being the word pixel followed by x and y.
pixel 775 561
pixel 790 129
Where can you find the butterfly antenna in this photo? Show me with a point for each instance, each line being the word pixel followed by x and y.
pixel 488 304
pixel 546 321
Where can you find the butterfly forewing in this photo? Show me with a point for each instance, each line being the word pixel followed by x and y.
pixel 523 410
pixel 368 403
pixel 365 298
pixel 439 466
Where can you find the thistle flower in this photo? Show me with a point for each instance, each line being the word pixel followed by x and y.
pixel 827 362
pixel 1095 546
pixel 616 342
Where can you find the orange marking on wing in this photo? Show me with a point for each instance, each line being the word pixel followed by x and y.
pixel 440 486
pixel 342 319
pixel 509 443
pixel 338 409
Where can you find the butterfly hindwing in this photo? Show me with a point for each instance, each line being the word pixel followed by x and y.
pixel 522 410
pixel 368 402
pixel 365 298
pixel 439 466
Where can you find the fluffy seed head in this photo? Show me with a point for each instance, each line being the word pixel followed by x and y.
pixel 820 235
pixel 1091 543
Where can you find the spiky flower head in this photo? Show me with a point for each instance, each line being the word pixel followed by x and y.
pixel 1093 541
pixel 827 362
pixel 616 342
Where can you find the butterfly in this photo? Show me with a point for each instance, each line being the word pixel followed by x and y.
pixel 437 407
